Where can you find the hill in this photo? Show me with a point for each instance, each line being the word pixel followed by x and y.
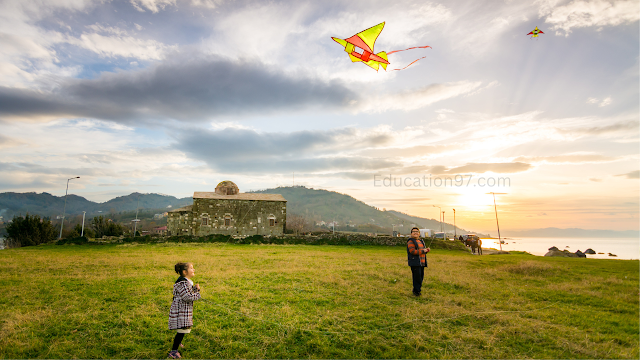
pixel 322 205
pixel 47 205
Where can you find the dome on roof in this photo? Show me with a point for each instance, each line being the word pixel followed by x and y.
pixel 227 188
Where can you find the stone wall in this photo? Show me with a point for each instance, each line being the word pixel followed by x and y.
pixel 179 222
pixel 243 217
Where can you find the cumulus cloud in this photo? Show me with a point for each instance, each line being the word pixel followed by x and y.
pixel 595 13
pixel 199 88
pixel 7 142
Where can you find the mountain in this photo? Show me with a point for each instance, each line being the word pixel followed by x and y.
pixel 47 205
pixel 571 233
pixel 327 206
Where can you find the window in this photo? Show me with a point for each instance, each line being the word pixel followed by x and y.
pixel 205 221
pixel 272 222
pixel 227 221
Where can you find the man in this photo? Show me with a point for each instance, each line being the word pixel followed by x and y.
pixel 417 258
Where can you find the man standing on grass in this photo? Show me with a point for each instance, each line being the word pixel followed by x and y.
pixel 417 257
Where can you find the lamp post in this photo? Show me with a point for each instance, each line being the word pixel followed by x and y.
pixel 82 232
pixel 65 204
pixel 439 216
pixel 496 209
pixel 135 222
pixel 455 234
pixel 444 233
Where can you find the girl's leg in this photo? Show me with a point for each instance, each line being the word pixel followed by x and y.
pixel 177 341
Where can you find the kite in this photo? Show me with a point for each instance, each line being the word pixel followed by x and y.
pixel 365 41
pixel 535 32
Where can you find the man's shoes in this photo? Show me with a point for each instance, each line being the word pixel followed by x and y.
pixel 416 294
pixel 174 354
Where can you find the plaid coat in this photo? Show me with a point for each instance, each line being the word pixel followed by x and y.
pixel 181 312
pixel 416 256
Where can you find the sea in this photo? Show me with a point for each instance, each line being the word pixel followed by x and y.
pixel 622 248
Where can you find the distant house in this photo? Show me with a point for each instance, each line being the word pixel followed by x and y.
pixel 157 216
pixel 228 211
pixel 162 230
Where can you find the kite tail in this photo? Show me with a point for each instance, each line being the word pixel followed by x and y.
pixel 417 47
pixel 414 61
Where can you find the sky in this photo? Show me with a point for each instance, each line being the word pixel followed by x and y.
pixel 172 97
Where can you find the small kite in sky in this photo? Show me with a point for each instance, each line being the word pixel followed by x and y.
pixel 535 32
pixel 364 41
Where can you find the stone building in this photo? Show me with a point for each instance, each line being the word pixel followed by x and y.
pixel 230 212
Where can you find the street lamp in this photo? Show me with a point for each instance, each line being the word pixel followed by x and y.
pixel 455 234
pixel 83 214
pixel 444 233
pixel 65 204
pixel 135 226
pixel 439 218
pixel 496 209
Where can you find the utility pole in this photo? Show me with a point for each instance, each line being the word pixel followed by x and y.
pixel 496 209
pixel 439 216
pixel 65 205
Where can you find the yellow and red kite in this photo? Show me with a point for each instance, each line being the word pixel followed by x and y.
pixel 535 32
pixel 365 41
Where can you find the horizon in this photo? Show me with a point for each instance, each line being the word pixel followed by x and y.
pixel 413 215
pixel 178 96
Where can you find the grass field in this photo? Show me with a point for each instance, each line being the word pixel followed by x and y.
pixel 298 301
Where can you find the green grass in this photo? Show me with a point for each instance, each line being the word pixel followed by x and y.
pixel 298 301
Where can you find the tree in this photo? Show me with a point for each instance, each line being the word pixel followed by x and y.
pixel 297 223
pixel 29 231
pixel 106 227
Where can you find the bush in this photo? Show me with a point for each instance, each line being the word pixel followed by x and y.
pixel 29 231
pixel 77 241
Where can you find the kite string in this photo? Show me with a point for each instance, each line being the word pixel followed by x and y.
pixel 378 329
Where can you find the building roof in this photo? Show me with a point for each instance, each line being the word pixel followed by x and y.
pixel 240 196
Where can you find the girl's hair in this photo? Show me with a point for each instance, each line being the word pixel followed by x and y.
pixel 181 266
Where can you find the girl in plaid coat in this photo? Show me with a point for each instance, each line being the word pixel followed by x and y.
pixel 181 312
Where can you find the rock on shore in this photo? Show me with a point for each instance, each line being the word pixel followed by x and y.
pixel 554 251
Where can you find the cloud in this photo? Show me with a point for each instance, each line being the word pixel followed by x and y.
pixel 631 175
pixel 479 168
pixel 598 13
pixel 624 127
pixel 114 42
pixel 247 151
pixel 415 99
pixel 603 103
pixel 156 6
pixel 190 89
pixel 7 142
pixel 575 158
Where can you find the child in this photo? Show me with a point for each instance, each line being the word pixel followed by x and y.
pixel 181 312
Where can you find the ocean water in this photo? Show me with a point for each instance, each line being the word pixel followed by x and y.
pixel 624 248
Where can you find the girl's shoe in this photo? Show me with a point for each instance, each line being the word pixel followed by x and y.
pixel 174 354
pixel 181 345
